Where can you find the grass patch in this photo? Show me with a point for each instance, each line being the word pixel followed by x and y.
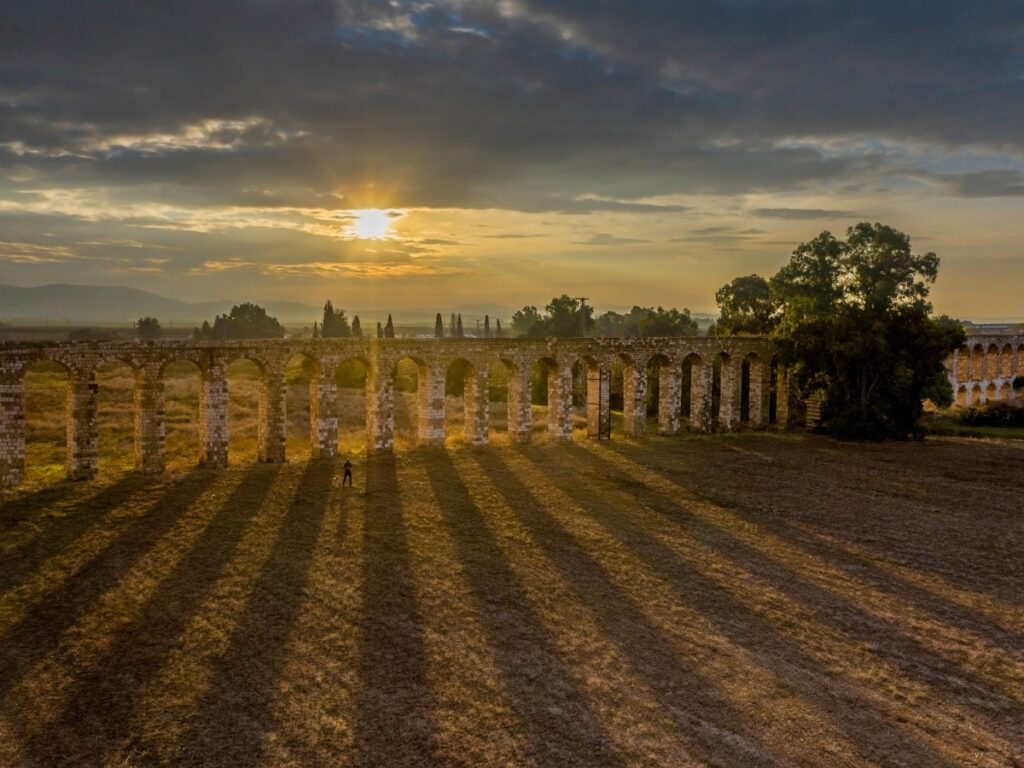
pixel 744 600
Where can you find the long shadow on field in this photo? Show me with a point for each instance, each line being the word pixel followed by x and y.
pixel 234 714
pixel 395 706
pixel 555 721
pixel 99 708
pixel 58 533
pixel 948 681
pixel 871 731
pixel 41 629
pixel 684 695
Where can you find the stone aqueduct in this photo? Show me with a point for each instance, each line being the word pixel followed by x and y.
pixel 381 356
pixel 983 369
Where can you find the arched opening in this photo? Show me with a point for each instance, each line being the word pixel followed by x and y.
pixel 1006 362
pixel 977 363
pixel 991 393
pixel 627 398
pixel 745 391
pixel 580 369
pixel 351 377
pixel 1020 361
pixel 299 374
pixel 45 391
pixel 961 396
pixel 963 364
pixel 457 380
pixel 411 402
pixel 691 391
pixel 245 380
pixel 115 416
pixel 182 382
pixel 1006 391
pixel 662 393
pixel 992 364
pixel 500 375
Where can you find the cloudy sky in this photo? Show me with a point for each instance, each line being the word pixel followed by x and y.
pixel 440 153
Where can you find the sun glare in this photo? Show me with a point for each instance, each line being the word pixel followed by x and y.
pixel 372 224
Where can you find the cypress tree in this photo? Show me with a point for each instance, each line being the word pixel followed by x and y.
pixel 497 329
pixel 458 327
pixel 380 330
pixel 389 329
pixel 451 326
pixel 487 326
pixel 438 327
pixel 357 330
pixel 316 330
pixel 328 322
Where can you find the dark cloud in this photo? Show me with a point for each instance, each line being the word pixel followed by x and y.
pixel 994 183
pixel 603 238
pixel 802 213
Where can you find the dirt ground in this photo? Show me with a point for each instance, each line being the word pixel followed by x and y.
pixel 746 600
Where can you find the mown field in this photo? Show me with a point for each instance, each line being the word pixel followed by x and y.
pixel 748 600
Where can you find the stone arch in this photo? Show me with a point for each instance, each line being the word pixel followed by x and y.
pixel 754 390
pixel 118 421
pixel 596 389
pixel 509 399
pixel 977 363
pixel 694 392
pixel 351 380
pixel 977 395
pixel 1020 361
pixel 634 393
pixel 45 389
pixel 961 396
pixel 963 364
pixel 991 393
pixel 300 388
pixel 992 364
pixel 245 380
pixel 1006 391
pixel 182 380
pixel 1006 362
pixel 418 404
pixel 466 408
pixel 663 392
pixel 724 386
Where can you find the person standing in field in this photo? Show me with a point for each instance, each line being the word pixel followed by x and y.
pixel 348 474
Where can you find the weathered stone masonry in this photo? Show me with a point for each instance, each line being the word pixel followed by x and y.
pixel 380 356
pixel 984 368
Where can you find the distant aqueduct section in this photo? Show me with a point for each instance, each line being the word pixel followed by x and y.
pixel 380 357
pixel 983 369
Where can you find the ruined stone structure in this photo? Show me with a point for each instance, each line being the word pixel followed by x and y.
pixel 739 369
pixel 983 369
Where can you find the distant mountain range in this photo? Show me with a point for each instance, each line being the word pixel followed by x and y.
pixel 83 304
pixel 63 304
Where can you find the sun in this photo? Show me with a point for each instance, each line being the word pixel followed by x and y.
pixel 372 223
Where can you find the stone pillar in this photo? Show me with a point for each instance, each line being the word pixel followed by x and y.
pixel 731 393
pixel 149 423
pixel 323 415
pixel 380 408
pixel 782 397
pixel 520 414
pixel 12 433
pixel 270 432
pixel 213 417
pixel 477 408
pixel 430 405
pixel 634 400
pixel 599 414
pixel 701 376
pixel 560 403
pixel 759 392
pixel 670 384
pixel 82 436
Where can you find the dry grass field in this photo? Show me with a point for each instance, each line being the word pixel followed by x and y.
pixel 749 600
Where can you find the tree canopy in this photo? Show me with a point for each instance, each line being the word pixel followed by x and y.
pixel 148 329
pixel 853 321
pixel 563 316
pixel 335 324
pixel 647 321
pixel 244 321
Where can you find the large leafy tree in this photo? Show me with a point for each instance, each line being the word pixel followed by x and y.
pixel 646 321
pixel 244 321
pixel 746 305
pixel 855 324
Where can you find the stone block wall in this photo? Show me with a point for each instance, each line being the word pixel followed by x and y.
pixel 433 358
